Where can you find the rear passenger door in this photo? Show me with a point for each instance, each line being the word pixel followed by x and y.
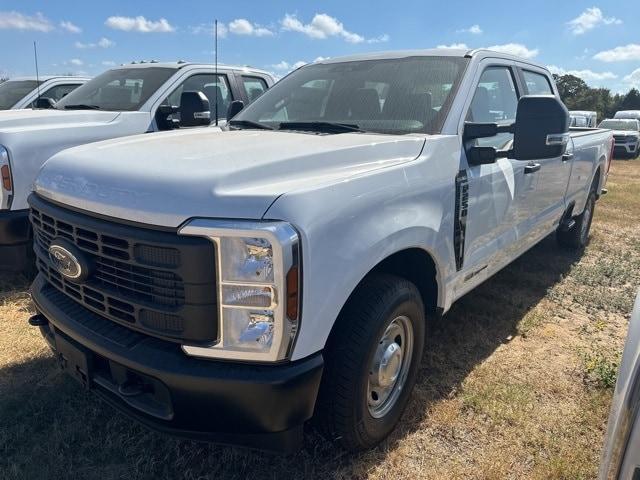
pixel 554 172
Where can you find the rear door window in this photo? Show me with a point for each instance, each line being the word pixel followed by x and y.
pixel 537 84
pixel 253 87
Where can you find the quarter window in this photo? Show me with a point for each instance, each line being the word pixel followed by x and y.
pixel 537 84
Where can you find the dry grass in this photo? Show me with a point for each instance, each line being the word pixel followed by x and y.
pixel 516 383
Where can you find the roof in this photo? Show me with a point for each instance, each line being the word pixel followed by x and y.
pixel 430 52
pixel 181 64
pixel 44 78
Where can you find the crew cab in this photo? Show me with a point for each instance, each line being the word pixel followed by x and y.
pixel 626 134
pixel 128 100
pixel 24 92
pixel 233 286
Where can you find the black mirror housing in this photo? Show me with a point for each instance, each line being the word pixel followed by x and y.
pixel 234 108
pixel 44 103
pixel 194 109
pixel 541 128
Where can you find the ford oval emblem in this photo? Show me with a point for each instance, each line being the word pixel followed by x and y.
pixel 67 261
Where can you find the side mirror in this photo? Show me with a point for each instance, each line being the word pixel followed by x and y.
pixel 44 103
pixel 194 109
pixel 234 108
pixel 541 128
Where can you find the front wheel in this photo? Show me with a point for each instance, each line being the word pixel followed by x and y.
pixel 577 236
pixel 371 362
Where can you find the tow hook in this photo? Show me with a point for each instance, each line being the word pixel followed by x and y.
pixel 38 320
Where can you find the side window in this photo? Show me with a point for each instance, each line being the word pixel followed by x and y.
pixel 58 92
pixel 537 84
pixel 495 101
pixel 211 85
pixel 253 87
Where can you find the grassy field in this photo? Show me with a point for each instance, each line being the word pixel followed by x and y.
pixel 516 383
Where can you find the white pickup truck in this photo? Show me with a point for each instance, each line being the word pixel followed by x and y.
pixel 626 135
pixel 23 92
pixel 230 286
pixel 128 100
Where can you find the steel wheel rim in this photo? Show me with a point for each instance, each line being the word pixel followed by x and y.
pixel 389 367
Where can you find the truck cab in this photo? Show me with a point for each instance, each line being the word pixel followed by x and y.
pixel 24 92
pixel 291 273
pixel 137 98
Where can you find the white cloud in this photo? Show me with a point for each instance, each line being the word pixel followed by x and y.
pixel 242 26
pixel 109 63
pixel 323 26
pixel 286 66
pixel 516 49
pixel 454 46
pixel 590 19
pixel 473 29
pixel 102 43
pixel 379 39
pixel 139 24
pixel 633 79
pixel 70 27
pixel 76 61
pixel 19 21
pixel 589 76
pixel 209 29
pixel 620 54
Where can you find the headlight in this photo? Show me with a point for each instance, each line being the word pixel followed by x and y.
pixel 6 191
pixel 258 288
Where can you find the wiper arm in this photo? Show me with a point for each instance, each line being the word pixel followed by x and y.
pixel 81 106
pixel 324 127
pixel 249 124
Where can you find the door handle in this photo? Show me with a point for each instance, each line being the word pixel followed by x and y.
pixel 567 156
pixel 531 168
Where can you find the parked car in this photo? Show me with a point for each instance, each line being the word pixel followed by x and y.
pixel 128 100
pixel 626 133
pixel 23 92
pixel 230 285
pixel 621 455
pixel 628 114
pixel 583 118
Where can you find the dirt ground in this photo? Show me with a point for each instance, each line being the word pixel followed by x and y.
pixel 516 382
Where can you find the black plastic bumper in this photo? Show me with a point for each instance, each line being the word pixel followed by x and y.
pixel 259 406
pixel 15 241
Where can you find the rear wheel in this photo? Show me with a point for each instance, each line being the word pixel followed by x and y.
pixel 577 236
pixel 371 362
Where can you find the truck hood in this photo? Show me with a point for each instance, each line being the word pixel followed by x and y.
pixel 626 133
pixel 164 179
pixel 21 120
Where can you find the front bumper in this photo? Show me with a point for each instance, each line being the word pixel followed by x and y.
pixel 628 148
pixel 153 381
pixel 15 242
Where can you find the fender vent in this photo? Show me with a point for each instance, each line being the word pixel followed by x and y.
pixel 460 225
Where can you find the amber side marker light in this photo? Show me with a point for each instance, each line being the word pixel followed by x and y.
pixel 6 178
pixel 292 293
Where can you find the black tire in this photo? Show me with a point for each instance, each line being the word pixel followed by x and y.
pixel 577 237
pixel 343 412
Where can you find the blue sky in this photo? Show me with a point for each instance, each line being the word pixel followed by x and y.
pixel 599 41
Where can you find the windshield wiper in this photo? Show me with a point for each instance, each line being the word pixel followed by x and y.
pixel 322 127
pixel 81 106
pixel 249 124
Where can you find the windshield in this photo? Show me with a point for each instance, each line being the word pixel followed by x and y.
pixel 124 89
pixel 632 125
pixel 395 96
pixel 12 91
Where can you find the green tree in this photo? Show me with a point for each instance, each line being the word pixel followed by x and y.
pixel 631 100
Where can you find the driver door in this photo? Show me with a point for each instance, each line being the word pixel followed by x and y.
pixel 500 195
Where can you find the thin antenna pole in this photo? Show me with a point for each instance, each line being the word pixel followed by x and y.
pixel 35 55
pixel 216 67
